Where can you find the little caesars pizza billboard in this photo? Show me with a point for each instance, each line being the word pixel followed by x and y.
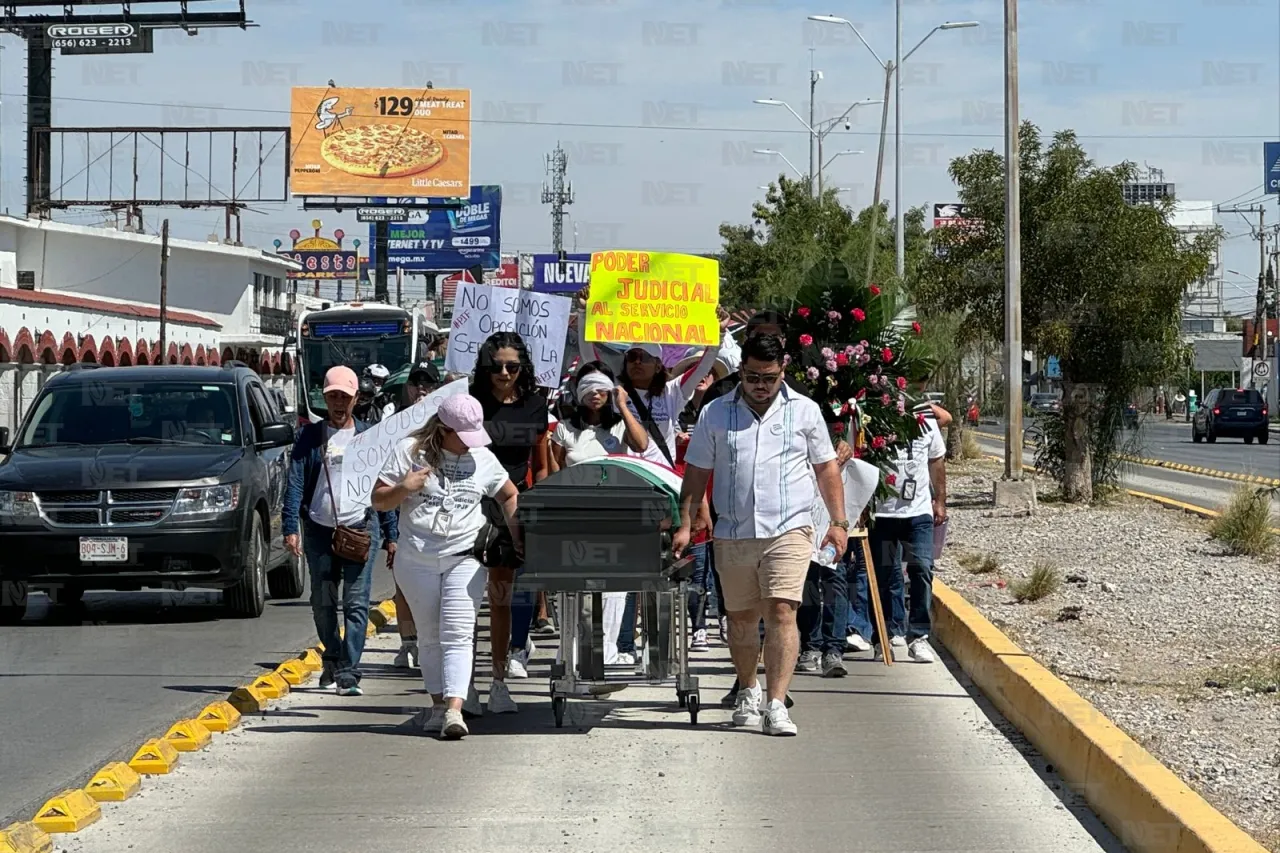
pixel 411 143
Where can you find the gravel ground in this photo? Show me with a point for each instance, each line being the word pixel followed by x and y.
pixel 1149 610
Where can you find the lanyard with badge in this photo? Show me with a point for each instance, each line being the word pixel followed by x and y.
pixel 908 491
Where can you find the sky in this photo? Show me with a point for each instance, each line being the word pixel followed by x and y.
pixel 653 102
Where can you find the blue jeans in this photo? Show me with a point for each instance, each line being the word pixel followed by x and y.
pixel 627 633
pixel 893 541
pixel 858 591
pixel 824 611
pixel 327 574
pixel 523 604
pixel 702 587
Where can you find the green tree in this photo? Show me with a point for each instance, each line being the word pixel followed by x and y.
pixel 1102 287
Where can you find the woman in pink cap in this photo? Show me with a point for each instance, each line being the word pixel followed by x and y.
pixel 438 477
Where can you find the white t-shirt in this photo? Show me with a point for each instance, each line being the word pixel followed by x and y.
pixel 665 408
pixel 452 491
pixel 590 442
pixel 320 509
pixel 928 447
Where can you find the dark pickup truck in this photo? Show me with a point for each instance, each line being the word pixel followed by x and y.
pixel 128 478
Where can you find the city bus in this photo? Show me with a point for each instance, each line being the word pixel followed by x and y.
pixel 356 334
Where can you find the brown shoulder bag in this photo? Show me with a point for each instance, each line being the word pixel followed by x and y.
pixel 348 543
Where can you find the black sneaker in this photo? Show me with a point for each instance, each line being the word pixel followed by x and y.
pixel 327 676
pixel 544 627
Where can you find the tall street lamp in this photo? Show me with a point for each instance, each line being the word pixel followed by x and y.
pixel 770 152
pixel 817 131
pixel 889 70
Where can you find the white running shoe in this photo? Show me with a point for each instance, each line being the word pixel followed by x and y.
pixel 699 640
pixel 454 728
pixel 777 721
pixel 434 722
pixel 500 701
pixel 624 659
pixel 407 657
pixel 855 642
pixel 747 711
pixel 472 707
pixel 920 651
pixel 898 642
pixel 518 663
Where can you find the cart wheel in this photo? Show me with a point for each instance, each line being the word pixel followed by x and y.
pixel 682 698
pixel 557 707
pixel 693 703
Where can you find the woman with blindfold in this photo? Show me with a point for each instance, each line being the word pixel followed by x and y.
pixel 516 418
pixel 594 428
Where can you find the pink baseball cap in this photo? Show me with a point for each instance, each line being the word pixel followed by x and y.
pixel 342 379
pixel 463 414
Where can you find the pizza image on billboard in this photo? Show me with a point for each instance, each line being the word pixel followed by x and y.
pixel 370 142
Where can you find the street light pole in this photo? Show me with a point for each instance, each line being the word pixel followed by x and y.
pixel 874 239
pixel 899 262
pixel 813 87
pixel 1012 253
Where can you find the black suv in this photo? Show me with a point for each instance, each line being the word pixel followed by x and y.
pixel 1231 413
pixel 124 478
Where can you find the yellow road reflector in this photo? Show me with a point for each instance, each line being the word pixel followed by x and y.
pixel 271 685
pixel 248 700
pixel 219 717
pixel 293 672
pixel 155 758
pixel 383 614
pixel 188 736
pixel 70 811
pixel 311 660
pixel 25 838
pixel 114 783
pixel 320 646
pixel 370 629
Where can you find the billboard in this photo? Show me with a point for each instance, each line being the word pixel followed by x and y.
pixel 951 216
pixel 448 239
pixel 320 256
pixel 548 277
pixel 506 275
pixel 1271 167
pixel 414 143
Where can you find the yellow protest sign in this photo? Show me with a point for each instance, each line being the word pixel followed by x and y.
pixel 653 298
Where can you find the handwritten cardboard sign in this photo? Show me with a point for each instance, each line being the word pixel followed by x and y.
pixel 541 319
pixel 653 298
pixel 363 458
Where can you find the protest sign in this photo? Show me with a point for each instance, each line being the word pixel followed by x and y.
pixel 364 455
pixel 654 298
pixel 542 320
pixel 860 480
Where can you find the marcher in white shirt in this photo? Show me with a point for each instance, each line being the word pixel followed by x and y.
pixel 440 474
pixel 766 447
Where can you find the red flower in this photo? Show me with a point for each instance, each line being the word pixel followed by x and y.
pixel 915 327
pixel 877 443
pixel 837 428
pixel 902 383
pixel 862 392
pixel 845 410
pixel 875 291
pixel 806 340
pixel 886 355
pixel 842 359
pixel 891 479
pixel 858 314
pixel 803 312
pixel 920 419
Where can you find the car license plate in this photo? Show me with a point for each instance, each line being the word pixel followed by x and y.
pixel 113 550
pixel 1241 413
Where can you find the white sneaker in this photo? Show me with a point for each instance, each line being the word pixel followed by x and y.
pixel 920 651
pixel 518 663
pixel 855 642
pixel 454 728
pixel 472 707
pixel 699 640
pixel 624 659
pixel 747 711
pixel 878 654
pixel 500 701
pixel 407 657
pixel 777 721
pixel 434 722
pixel 898 642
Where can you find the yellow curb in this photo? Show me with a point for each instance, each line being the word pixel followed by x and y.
pixel 155 758
pixel 114 783
pixel 219 716
pixel 294 672
pixel 1148 807
pixel 25 837
pixel 382 615
pixel 70 811
pixel 272 685
pixel 1185 507
pixel 311 660
pixel 188 736
pixel 248 700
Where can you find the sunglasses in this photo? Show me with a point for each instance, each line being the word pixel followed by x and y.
pixel 761 378
pixel 636 356
pixel 512 367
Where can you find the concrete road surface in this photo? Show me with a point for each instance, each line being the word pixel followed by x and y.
pixel 887 761
pixel 80 689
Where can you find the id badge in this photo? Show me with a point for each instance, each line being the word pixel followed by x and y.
pixel 440 523
pixel 908 492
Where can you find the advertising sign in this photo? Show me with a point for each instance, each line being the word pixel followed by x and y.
pixel 449 285
pixel 322 264
pixel 549 277
pixel 382 214
pixel 375 142
pixel 950 216
pixel 653 297
pixel 87 39
pixel 506 275
pixel 430 240
pixel 540 319
pixel 1271 167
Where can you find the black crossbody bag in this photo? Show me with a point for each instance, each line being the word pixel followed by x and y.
pixel 652 428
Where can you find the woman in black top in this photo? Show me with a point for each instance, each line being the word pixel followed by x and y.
pixel 516 418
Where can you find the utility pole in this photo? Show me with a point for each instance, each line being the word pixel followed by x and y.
pixel 899 234
pixel 874 242
pixel 1258 346
pixel 558 194
pixel 400 286
pixel 164 288
pixel 1012 253
pixel 814 77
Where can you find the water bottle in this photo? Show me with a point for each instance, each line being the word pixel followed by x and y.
pixel 827 556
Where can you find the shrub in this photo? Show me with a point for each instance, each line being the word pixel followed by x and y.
pixel 1044 580
pixel 980 564
pixel 1245 523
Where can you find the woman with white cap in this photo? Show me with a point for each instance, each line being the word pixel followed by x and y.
pixel 440 473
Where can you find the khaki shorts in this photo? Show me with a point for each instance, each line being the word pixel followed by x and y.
pixel 752 570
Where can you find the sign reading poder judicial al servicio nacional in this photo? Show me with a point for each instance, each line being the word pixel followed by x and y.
pixel 653 298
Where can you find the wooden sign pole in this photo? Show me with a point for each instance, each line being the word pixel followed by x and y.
pixel 873 592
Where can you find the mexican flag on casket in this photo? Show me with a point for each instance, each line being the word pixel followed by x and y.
pixel 667 480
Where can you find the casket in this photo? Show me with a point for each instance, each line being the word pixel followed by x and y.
pixel 599 526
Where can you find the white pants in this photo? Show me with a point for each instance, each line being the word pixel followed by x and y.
pixel 611 621
pixel 444 595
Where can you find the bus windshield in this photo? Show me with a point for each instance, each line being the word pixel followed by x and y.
pixel 318 355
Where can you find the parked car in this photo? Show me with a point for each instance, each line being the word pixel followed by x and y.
pixel 1042 403
pixel 1231 413
pixel 128 478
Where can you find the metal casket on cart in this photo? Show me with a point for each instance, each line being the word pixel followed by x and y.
pixel 600 526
